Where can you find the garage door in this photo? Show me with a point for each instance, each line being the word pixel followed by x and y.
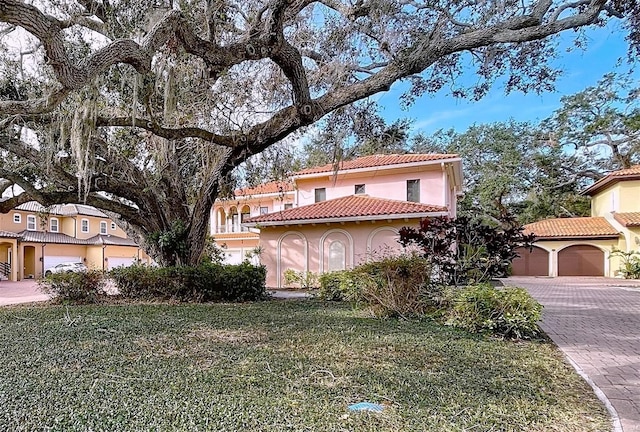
pixel 52 261
pixel 581 260
pixel 120 262
pixel 531 263
pixel 233 257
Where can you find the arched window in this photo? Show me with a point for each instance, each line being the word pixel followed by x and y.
pixel 245 214
pixel 337 256
pixel 234 220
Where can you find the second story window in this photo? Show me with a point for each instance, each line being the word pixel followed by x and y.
pixel 321 194
pixel 103 227
pixel 53 225
pixel 413 190
pixel 31 223
pixel 287 206
pixel 17 218
pixel 84 225
pixel 359 189
pixel 264 210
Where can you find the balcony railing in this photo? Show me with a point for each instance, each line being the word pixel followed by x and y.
pixel 5 268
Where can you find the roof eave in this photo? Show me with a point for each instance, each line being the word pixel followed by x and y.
pixel 258 195
pixel 346 219
pixel 579 237
pixel 607 181
pixel 376 167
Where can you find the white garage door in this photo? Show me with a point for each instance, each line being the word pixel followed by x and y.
pixel 120 262
pixel 233 256
pixel 52 261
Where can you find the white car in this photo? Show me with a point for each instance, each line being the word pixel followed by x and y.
pixel 66 267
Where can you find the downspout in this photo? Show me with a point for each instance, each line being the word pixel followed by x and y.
pixel 42 257
pixel 104 246
pixel 18 261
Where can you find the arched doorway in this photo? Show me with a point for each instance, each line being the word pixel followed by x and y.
pixel 531 263
pixel 581 260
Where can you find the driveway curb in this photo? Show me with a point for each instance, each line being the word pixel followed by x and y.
pixel 615 419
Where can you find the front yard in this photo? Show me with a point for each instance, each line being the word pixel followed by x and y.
pixel 274 366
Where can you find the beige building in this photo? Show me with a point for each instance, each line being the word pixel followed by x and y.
pixel 34 238
pixel 583 246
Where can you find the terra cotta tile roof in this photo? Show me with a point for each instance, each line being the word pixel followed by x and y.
pixel 376 161
pixel 353 206
pixel 631 219
pixel 265 188
pixel 632 173
pixel 582 227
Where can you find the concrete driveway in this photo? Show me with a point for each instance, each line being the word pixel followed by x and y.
pixel 24 291
pixel 596 323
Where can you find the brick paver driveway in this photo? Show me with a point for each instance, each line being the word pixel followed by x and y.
pixel 596 322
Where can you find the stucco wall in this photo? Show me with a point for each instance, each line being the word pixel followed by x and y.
pixel 620 197
pixel 306 247
pixel 391 184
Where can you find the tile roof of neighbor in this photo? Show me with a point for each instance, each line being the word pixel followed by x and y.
pixel 375 161
pixel 583 227
pixel 62 209
pixel 59 238
pixel 353 206
pixel 631 219
pixel 78 209
pixel 632 173
pixel 8 234
pixel 49 237
pixel 265 188
pixel 101 239
pixel 31 206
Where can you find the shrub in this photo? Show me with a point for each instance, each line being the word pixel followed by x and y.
pixel 467 250
pixel 630 265
pixel 340 285
pixel 508 312
pixel 304 280
pixel 204 283
pixel 393 286
pixel 396 286
pixel 141 281
pixel 81 287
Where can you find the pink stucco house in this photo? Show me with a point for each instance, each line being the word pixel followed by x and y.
pixel 330 217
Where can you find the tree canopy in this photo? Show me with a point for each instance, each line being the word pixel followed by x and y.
pixel 144 107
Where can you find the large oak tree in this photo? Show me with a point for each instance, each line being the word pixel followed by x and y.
pixel 143 109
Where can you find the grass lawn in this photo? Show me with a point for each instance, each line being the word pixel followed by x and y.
pixel 274 366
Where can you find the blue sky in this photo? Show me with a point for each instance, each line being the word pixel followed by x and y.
pixel 582 68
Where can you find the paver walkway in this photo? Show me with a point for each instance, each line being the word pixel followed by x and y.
pixel 596 323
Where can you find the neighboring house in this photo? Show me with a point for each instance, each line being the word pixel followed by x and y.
pixel 334 217
pixel 34 238
pixel 582 246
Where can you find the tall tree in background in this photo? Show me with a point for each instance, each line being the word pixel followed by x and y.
pixel 600 126
pixel 143 111
pixel 354 131
pixel 510 168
